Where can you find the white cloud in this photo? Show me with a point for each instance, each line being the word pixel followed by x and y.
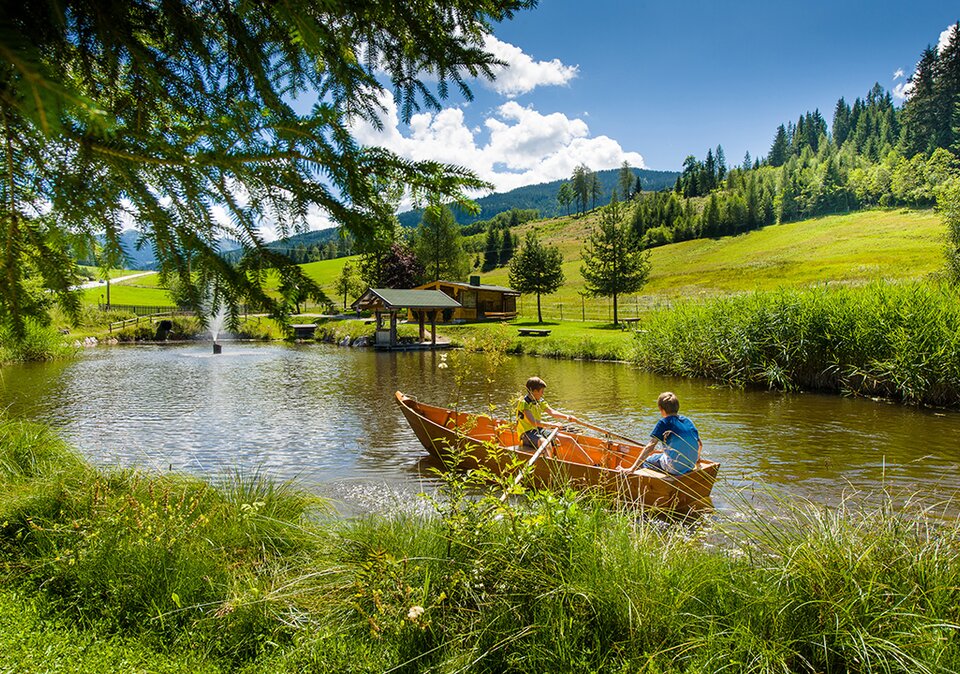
pixel 901 90
pixel 518 145
pixel 898 74
pixel 522 74
pixel 944 38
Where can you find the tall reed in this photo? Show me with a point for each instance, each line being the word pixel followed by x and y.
pixel 37 343
pixel 900 341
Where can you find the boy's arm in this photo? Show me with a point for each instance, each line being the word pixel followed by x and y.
pixel 560 415
pixel 648 450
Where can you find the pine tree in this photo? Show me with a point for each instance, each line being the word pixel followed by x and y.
pixel 581 183
pixel 491 247
pixel 507 247
pixel 613 263
pixel 721 165
pixel 438 245
pixel 565 196
pixel 947 88
pixel 841 122
pixel 625 180
pixel 779 151
pixel 155 112
pixel 536 269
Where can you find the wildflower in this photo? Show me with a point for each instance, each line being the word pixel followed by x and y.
pixel 414 613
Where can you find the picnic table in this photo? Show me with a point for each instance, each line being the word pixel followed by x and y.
pixel 533 332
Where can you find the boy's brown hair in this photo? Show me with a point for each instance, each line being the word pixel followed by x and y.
pixel 536 384
pixel 668 402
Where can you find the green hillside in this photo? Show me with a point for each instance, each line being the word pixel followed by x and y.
pixel 853 248
pixel 543 197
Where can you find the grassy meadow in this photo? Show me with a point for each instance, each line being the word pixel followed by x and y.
pixel 125 571
pixel 853 248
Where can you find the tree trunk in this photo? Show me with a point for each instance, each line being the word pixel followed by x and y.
pixel 539 315
pixel 615 322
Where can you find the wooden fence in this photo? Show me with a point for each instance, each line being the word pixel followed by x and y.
pixel 594 309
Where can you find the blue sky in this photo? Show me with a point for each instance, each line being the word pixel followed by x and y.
pixel 602 82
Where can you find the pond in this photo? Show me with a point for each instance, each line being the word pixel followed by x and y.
pixel 326 417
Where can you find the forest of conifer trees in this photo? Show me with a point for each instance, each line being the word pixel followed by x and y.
pixel 873 154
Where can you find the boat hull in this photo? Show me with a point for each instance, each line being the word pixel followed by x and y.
pixel 462 440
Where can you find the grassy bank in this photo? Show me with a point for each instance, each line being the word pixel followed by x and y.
pixel 245 575
pixel 38 343
pixel 899 341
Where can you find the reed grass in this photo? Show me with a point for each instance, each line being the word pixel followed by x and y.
pixel 38 342
pixel 239 572
pixel 899 341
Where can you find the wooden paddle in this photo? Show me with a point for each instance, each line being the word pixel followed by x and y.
pixel 608 432
pixel 536 455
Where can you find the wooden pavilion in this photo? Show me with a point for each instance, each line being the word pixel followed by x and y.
pixel 423 304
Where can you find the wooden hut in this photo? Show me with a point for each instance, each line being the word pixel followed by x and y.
pixel 477 301
pixel 421 304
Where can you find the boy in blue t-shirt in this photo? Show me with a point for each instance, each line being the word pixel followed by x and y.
pixel 680 437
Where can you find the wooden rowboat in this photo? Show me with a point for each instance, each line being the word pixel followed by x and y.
pixel 581 460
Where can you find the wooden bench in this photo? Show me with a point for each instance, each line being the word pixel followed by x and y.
pixel 533 332
pixel 627 323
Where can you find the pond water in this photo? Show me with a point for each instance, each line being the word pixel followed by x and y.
pixel 326 417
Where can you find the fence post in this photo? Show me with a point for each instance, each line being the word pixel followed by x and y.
pixel 561 311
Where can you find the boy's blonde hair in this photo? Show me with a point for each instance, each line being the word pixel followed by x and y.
pixel 536 384
pixel 668 402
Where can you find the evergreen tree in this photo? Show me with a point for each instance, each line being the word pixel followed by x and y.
pixel 709 180
pixel 507 247
pixel 947 88
pixel 747 162
pixel 438 245
pixel 711 222
pixel 565 196
pixel 841 122
pixel 156 111
pixel 625 179
pixel 779 151
pixel 721 165
pixel 581 184
pixel 596 189
pixel 537 270
pixel 491 247
pixel 919 113
pixel 613 263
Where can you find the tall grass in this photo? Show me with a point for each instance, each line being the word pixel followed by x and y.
pixel 543 582
pixel 899 341
pixel 39 342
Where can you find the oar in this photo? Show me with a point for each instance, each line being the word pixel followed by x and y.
pixel 609 432
pixel 536 455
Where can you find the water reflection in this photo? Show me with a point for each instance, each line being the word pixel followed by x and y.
pixel 326 416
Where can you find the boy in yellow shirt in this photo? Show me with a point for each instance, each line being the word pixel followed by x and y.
pixel 530 409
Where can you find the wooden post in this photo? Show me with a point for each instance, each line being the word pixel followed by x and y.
pixel 433 327
pixel 379 320
pixel 393 328
pixel 422 327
